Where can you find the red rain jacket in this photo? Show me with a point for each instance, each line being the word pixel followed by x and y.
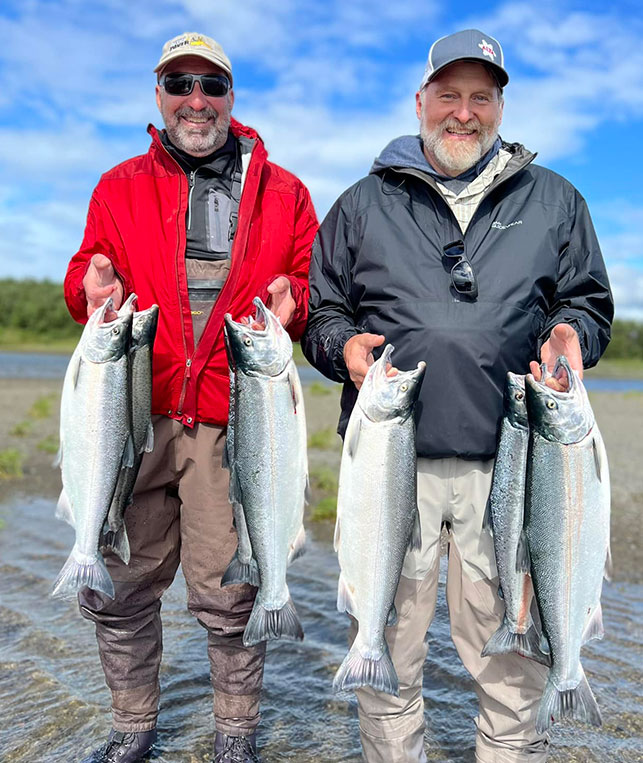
pixel 137 218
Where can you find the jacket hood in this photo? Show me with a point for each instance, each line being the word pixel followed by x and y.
pixel 405 151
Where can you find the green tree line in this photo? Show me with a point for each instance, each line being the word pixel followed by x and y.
pixel 35 311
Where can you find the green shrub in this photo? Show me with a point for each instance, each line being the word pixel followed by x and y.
pixel 324 439
pixel 21 429
pixel 10 464
pixel 326 509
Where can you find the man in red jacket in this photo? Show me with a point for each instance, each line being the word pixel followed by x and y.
pixel 200 225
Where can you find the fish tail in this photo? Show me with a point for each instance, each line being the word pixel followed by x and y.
pixel 357 671
pixel 269 624
pixel 118 541
pixel 240 572
pixel 89 573
pixel 578 703
pixel 504 641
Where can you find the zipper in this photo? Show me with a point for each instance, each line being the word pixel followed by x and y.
pixel 191 183
pixel 186 378
pixel 188 362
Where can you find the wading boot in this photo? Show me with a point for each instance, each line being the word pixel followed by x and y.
pixel 228 749
pixel 124 747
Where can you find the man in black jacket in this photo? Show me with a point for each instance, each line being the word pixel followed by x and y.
pixel 460 252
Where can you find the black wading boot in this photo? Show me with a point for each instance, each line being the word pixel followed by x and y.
pixel 124 747
pixel 228 749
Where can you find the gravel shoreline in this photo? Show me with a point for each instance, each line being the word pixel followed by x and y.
pixel 619 415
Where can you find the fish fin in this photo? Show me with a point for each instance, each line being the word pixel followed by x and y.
pixel 298 547
pixel 594 626
pixel 392 616
pixel 354 438
pixel 523 562
pixel 597 459
pixel 609 570
pixel 296 401
pixel 487 521
pixel 127 461
pixel 64 510
pixel 269 624
pixel 356 671
pixel 239 572
pixel 58 461
pixel 307 491
pixel 501 594
pixel 578 703
pixel 504 641
pixel 118 541
pixel 76 369
pixel 235 495
pixel 415 541
pixel 345 600
pixel 337 535
pixel 149 439
pixel 76 575
pixel 544 645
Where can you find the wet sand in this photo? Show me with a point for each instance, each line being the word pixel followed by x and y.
pixel 620 417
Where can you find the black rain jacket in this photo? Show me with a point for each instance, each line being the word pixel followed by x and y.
pixel 378 267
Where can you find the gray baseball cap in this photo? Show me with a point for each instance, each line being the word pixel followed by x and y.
pixel 468 45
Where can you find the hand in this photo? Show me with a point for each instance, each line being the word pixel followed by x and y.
pixel 563 340
pixel 280 301
pixel 101 283
pixel 358 356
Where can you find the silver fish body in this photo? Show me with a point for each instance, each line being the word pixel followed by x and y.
pixel 268 468
pixel 95 443
pixel 517 632
pixel 144 324
pixel 567 514
pixel 377 518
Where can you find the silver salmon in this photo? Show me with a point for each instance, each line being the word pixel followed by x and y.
pixel 567 516
pixel 377 518
pixel 144 323
pixel 517 633
pixel 95 444
pixel 268 466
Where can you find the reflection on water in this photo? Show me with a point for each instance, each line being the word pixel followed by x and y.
pixel 53 701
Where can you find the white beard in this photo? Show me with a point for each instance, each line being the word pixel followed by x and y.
pixel 458 156
pixel 196 142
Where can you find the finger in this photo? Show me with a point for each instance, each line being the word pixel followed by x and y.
pixel 279 285
pixel 391 370
pixel 535 370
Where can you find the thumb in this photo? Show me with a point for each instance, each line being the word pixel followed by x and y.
pixel 373 340
pixel 104 269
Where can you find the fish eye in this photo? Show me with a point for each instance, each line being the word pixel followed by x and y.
pixel 551 404
pixel 520 395
pixel 247 341
pixel 404 387
pixel 116 331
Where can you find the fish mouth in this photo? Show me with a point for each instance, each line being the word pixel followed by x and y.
pixel 262 316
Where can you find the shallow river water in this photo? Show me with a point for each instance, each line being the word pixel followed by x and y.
pixel 54 704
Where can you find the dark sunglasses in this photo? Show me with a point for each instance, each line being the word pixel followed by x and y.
pixel 462 276
pixel 213 85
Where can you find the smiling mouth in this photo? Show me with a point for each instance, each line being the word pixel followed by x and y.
pixel 461 133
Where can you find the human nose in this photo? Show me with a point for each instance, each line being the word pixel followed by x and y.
pixel 196 99
pixel 462 112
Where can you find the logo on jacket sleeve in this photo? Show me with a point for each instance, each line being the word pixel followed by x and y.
pixel 487 49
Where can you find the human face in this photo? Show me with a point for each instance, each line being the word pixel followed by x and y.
pixel 460 112
pixel 196 123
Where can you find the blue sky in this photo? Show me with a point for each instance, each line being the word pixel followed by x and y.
pixel 327 83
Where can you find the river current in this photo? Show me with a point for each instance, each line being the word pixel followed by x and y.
pixel 54 703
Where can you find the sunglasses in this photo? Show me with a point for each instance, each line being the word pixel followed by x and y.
pixel 462 276
pixel 213 85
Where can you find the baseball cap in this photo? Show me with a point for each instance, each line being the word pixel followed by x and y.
pixel 194 44
pixel 468 45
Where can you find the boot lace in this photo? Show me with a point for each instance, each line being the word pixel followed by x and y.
pixel 112 751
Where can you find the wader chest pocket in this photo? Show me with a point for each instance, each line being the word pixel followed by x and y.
pixel 218 217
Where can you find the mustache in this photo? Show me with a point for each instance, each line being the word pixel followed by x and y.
pixel 454 124
pixel 188 112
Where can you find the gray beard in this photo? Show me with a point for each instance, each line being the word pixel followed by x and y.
pixel 461 157
pixel 197 144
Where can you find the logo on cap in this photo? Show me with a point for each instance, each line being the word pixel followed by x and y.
pixel 487 49
pixel 191 41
